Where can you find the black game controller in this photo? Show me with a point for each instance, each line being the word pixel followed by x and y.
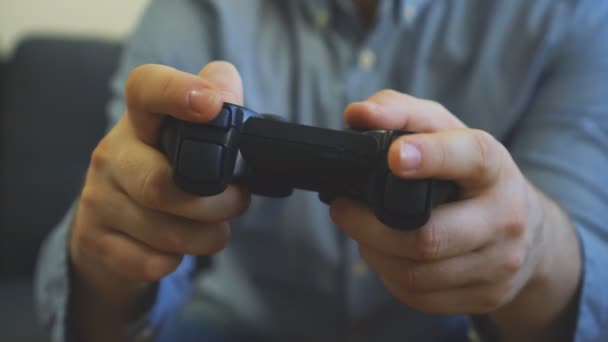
pixel 278 156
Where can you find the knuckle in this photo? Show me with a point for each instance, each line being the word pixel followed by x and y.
pixel 516 221
pixel 442 115
pixel 440 153
pixel 100 157
pixel 410 279
pixel 83 242
pixel 428 242
pixel 151 192
pixel 90 197
pixel 86 236
pixel 384 95
pixel 513 262
pixel 436 106
pixel 484 143
pixel 169 90
pixel 134 83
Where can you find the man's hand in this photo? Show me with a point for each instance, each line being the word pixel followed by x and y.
pixel 133 225
pixel 502 249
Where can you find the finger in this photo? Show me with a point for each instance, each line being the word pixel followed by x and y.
pixel 125 257
pixel 154 90
pixel 162 232
pixel 226 79
pixel 146 176
pixel 389 109
pixel 472 158
pixel 481 267
pixel 453 229
pixel 458 301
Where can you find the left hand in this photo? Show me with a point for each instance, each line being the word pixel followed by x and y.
pixel 474 255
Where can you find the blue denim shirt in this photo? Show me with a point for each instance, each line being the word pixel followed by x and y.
pixel 532 73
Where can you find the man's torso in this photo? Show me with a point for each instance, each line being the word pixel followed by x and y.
pixel 306 60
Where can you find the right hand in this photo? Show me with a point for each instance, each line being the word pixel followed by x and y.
pixel 133 225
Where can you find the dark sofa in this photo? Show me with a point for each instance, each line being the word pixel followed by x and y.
pixel 53 93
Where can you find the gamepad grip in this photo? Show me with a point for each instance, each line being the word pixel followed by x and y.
pixel 279 156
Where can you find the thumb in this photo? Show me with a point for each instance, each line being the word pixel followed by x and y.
pixel 226 79
pixel 153 91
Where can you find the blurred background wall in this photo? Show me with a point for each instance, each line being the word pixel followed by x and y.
pixel 111 19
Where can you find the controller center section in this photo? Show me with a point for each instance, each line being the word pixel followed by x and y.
pixel 306 157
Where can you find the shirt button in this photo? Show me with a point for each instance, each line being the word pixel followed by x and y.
pixel 359 268
pixel 322 18
pixel 409 14
pixel 367 59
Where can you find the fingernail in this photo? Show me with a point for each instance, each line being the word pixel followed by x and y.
pixel 409 157
pixel 201 100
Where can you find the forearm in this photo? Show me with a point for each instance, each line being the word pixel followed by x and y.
pixel 96 313
pixel 546 308
pixel 102 305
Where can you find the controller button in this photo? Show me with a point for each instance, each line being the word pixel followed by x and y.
pixel 200 162
pixel 222 120
pixel 405 197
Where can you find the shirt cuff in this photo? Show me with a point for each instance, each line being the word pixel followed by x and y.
pixel 592 313
pixel 172 292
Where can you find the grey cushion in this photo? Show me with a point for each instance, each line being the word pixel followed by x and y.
pixel 52 115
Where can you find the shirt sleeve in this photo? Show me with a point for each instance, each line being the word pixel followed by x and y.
pixel 562 147
pixel 51 283
pixel 173 33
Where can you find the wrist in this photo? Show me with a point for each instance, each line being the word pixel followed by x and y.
pixel 101 305
pixel 102 312
pixel 545 308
